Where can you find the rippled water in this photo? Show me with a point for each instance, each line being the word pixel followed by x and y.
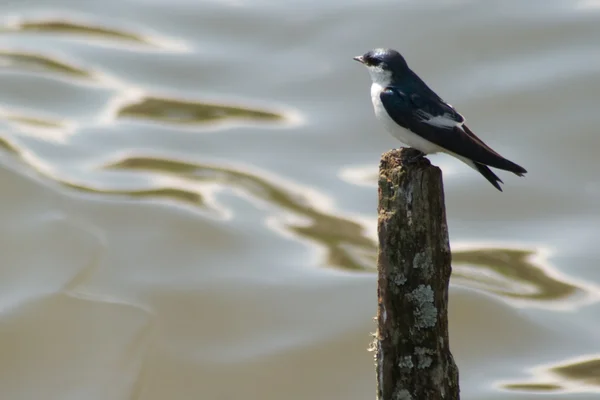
pixel 189 196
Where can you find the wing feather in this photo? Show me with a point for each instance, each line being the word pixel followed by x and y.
pixel 438 122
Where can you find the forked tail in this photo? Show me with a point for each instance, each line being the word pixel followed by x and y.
pixel 489 175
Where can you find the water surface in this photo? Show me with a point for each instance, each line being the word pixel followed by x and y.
pixel 189 196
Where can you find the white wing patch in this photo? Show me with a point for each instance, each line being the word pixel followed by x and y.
pixel 444 121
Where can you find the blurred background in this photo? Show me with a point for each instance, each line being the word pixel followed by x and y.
pixel 189 196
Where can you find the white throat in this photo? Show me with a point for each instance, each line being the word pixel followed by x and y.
pixel 381 79
pixel 380 76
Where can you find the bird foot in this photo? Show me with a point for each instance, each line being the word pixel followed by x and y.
pixel 412 155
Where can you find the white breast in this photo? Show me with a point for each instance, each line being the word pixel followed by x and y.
pixel 405 136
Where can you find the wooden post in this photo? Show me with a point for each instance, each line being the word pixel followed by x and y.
pixel 413 354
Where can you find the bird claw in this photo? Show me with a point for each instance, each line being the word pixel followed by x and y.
pixel 414 156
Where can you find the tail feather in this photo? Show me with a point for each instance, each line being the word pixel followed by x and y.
pixel 486 155
pixel 510 166
pixel 489 175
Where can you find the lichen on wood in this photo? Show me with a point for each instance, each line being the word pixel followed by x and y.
pixel 413 354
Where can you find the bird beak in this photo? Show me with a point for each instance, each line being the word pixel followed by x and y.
pixel 360 59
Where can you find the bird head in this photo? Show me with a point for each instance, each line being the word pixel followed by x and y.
pixel 384 65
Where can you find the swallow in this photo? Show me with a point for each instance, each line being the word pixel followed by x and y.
pixel 416 116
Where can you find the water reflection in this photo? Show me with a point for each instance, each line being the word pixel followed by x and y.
pixel 26 122
pixel 20 61
pixel 345 240
pixel 39 122
pixel 170 193
pixel 336 234
pixel 8 146
pixel 44 127
pixel 534 387
pixel 582 375
pixel 182 112
pixel 586 371
pixel 510 273
pixel 76 29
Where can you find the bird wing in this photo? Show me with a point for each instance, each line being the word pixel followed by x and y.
pixel 438 122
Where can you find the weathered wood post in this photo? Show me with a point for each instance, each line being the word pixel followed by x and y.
pixel 413 354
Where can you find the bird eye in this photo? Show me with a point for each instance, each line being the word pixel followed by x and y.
pixel 372 61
